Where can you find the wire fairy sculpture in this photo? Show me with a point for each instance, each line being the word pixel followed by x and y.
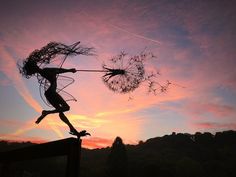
pixel 123 74
pixel 35 65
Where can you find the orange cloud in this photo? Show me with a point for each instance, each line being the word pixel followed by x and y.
pixel 108 126
pixel 53 123
pixel 96 142
pixel 16 138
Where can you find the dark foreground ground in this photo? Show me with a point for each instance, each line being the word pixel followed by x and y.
pixel 176 155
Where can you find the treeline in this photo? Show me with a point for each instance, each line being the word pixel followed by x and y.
pixel 175 155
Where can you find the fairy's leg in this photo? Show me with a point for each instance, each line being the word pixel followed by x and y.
pixel 57 102
pixel 61 106
pixel 67 122
pixel 44 114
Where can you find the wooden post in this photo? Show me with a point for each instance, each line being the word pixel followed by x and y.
pixel 71 147
pixel 5 170
pixel 73 159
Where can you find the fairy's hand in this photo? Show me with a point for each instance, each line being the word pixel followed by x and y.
pixel 73 70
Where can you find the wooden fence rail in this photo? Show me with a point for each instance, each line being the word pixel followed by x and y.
pixel 70 147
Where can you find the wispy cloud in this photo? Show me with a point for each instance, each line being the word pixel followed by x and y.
pixel 216 126
pixel 9 67
pixel 218 110
pixel 136 35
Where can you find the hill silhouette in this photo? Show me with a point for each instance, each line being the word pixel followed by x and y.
pixel 175 155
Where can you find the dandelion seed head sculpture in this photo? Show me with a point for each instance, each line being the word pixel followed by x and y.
pixel 124 74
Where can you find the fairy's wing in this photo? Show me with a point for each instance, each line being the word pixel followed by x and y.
pixel 55 54
pixel 62 83
pixel 43 86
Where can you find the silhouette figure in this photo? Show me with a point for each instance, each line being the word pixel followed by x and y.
pixel 49 75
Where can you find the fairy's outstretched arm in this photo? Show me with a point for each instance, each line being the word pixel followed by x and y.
pixel 63 70
pixel 60 70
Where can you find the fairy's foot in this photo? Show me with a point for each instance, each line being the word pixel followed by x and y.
pixel 84 133
pixel 73 132
pixel 44 114
pixel 79 134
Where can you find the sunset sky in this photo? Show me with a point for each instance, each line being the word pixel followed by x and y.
pixel 194 43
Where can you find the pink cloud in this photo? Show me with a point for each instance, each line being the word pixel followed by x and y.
pixel 10 122
pixel 5 82
pixel 218 110
pixel 216 126
pixel 216 66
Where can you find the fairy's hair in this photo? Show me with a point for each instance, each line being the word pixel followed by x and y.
pixel 26 68
pixel 47 53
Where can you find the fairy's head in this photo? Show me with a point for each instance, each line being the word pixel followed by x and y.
pixel 29 68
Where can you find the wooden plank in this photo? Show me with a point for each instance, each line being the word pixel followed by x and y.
pixel 45 150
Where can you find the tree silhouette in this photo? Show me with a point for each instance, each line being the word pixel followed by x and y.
pixel 117 159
